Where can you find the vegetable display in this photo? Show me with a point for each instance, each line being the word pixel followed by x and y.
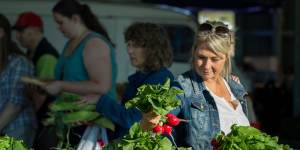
pixel 65 113
pixel 137 139
pixel 159 99
pixel 247 138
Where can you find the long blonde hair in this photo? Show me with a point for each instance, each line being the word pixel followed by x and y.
pixel 216 42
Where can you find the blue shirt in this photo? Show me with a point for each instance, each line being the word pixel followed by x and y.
pixel 117 112
pixel 13 90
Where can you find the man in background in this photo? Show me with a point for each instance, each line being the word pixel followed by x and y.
pixel 30 34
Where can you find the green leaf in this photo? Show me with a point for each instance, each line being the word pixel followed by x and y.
pixel 105 123
pixel 167 85
pixel 161 99
pixel 10 143
pixel 165 144
pixel 129 146
pixel 134 129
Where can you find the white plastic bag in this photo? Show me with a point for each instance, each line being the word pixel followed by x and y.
pixel 90 137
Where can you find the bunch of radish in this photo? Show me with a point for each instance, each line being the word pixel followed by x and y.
pixel 167 127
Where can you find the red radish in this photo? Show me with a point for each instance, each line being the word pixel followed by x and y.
pixel 215 144
pixel 101 143
pixel 167 129
pixel 170 115
pixel 255 124
pixel 158 129
pixel 173 121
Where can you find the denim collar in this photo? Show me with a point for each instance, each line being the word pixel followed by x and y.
pixel 236 88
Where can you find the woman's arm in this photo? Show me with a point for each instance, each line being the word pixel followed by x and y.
pixel 117 112
pixel 97 61
pixel 9 113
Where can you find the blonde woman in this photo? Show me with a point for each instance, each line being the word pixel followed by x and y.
pixel 212 100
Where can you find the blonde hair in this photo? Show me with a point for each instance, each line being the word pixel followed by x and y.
pixel 217 43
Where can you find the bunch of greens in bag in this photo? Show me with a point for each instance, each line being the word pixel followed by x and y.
pixel 64 113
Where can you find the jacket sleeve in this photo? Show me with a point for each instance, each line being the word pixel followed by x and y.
pixel 117 112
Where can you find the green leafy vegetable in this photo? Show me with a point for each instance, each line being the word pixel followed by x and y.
pixel 143 140
pixel 64 113
pixel 161 99
pixel 247 138
pixel 10 143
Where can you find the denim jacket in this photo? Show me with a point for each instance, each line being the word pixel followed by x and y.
pixel 199 107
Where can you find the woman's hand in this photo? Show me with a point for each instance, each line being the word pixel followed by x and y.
pixel 236 79
pixel 54 87
pixel 89 99
pixel 149 121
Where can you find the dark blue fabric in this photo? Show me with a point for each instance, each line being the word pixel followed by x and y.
pixel 117 112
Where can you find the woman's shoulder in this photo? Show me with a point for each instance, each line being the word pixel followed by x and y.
pixel 234 83
pixel 236 87
pixel 162 73
pixel 153 77
pixel 186 82
pixel 97 40
pixel 184 78
pixel 96 37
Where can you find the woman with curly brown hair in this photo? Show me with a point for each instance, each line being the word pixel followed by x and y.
pixel 150 53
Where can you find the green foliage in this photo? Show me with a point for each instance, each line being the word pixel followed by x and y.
pixel 81 115
pixel 248 138
pixel 65 113
pixel 143 140
pixel 9 143
pixel 161 99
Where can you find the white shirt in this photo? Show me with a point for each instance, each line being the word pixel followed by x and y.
pixel 227 114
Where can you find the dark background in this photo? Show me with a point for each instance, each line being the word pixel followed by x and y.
pixel 267 30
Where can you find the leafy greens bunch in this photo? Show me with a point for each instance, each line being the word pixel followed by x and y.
pixel 247 138
pixel 65 113
pixel 160 99
pixel 143 140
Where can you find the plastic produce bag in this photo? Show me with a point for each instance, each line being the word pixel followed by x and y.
pixel 90 138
